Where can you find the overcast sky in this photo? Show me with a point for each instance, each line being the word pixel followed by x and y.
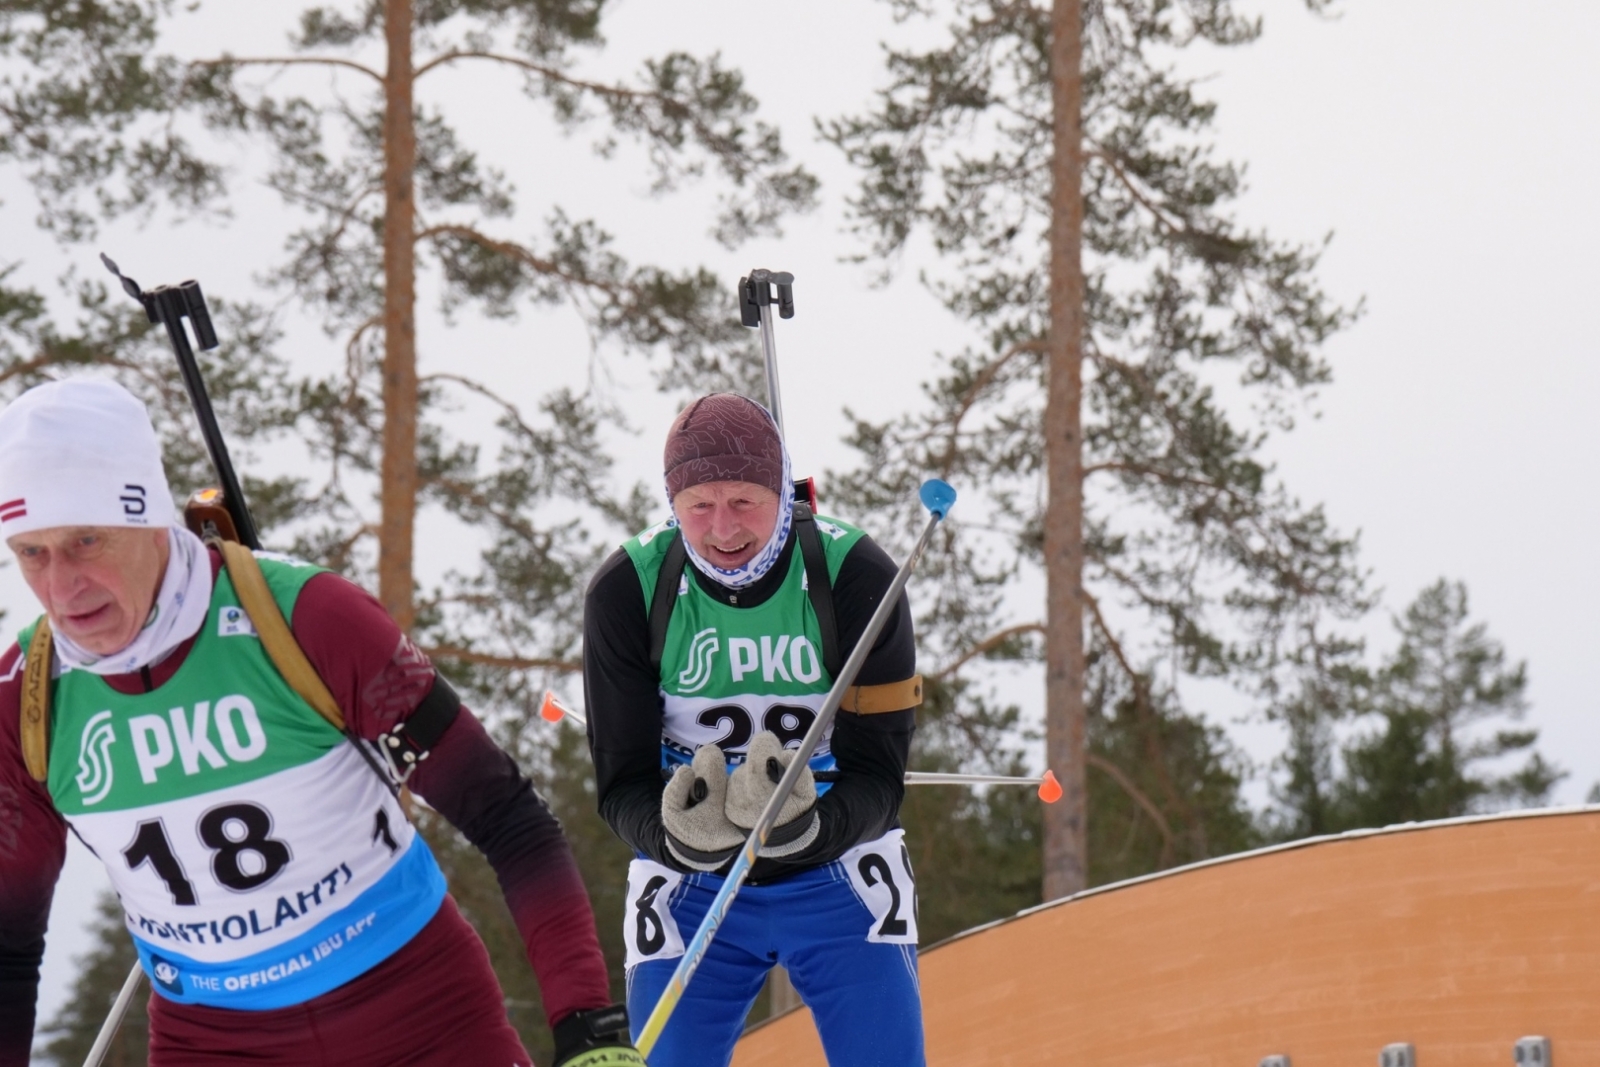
pixel 1448 146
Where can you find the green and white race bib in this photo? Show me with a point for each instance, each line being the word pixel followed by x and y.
pixel 259 860
pixel 729 672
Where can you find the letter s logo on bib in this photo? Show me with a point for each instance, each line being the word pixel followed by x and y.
pixel 697 672
pixel 94 761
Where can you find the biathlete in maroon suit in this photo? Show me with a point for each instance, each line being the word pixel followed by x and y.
pixel 284 909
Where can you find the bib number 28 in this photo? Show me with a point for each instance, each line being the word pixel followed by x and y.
pixel 244 854
pixel 880 872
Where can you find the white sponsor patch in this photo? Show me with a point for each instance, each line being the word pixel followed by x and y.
pixel 656 531
pixel 880 873
pixel 233 622
pixel 830 529
pixel 648 928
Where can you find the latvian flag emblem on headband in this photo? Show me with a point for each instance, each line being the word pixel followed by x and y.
pixel 13 509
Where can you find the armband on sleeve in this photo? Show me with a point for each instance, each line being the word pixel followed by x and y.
pixel 878 699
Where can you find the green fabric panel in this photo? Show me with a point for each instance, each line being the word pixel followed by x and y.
pixel 710 644
pixel 226 717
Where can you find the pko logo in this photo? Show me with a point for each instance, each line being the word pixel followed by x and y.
pixel 697 672
pixel 166 974
pixel 94 761
pixel 233 723
pixel 787 657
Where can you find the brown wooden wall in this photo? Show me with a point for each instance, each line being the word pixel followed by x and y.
pixel 1457 937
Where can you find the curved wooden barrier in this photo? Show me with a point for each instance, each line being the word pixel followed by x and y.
pixel 1459 937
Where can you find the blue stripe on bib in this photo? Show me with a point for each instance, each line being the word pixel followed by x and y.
pixel 345 945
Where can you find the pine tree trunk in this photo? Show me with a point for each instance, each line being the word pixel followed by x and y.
pixel 399 469
pixel 1066 858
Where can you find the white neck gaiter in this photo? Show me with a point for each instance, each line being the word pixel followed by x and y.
pixel 177 614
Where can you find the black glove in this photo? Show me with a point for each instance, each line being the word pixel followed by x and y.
pixel 597 1038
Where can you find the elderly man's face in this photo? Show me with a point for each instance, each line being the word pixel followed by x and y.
pixel 97 583
pixel 727 522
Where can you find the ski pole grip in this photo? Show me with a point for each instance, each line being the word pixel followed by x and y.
pixel 938 496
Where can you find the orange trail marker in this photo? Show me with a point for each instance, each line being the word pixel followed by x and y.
pixel 1049 788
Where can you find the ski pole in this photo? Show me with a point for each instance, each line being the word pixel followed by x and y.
pixel 937 497
pixel 108 1029
pixel 169 305
pixel 755 310
pixel 554 709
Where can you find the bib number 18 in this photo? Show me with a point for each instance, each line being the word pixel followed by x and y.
pixel 244 854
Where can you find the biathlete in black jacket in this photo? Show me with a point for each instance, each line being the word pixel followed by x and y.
pixel 717 692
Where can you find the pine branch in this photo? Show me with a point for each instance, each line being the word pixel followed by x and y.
pixel 988 644
pixel 1139 797
pixel 615 92
pixel 516 252
pixel 984 379
pixel 288 61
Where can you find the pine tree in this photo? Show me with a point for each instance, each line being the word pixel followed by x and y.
pixel 1138 346
pixel 1433 735
pixel 387 188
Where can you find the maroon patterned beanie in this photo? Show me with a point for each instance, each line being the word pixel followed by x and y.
pixel 723 437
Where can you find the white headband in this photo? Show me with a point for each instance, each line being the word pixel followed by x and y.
pixel 80 452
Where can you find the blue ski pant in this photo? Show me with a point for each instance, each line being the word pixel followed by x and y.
pixel 845 932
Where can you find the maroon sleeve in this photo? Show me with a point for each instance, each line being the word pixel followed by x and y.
pixel 33 844
pixel 379 677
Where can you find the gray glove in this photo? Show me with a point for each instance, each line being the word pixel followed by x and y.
pixel 752 784
pixel 699 834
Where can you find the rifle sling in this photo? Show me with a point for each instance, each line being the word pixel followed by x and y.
pixel 36 702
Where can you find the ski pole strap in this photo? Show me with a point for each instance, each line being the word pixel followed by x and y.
pixel 36 702
pixel 666 597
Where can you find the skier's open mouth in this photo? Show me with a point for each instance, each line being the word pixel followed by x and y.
pixel 728 554
pixel 87 618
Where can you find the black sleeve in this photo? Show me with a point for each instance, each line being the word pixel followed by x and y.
pixel 622 695
pixel 872 750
